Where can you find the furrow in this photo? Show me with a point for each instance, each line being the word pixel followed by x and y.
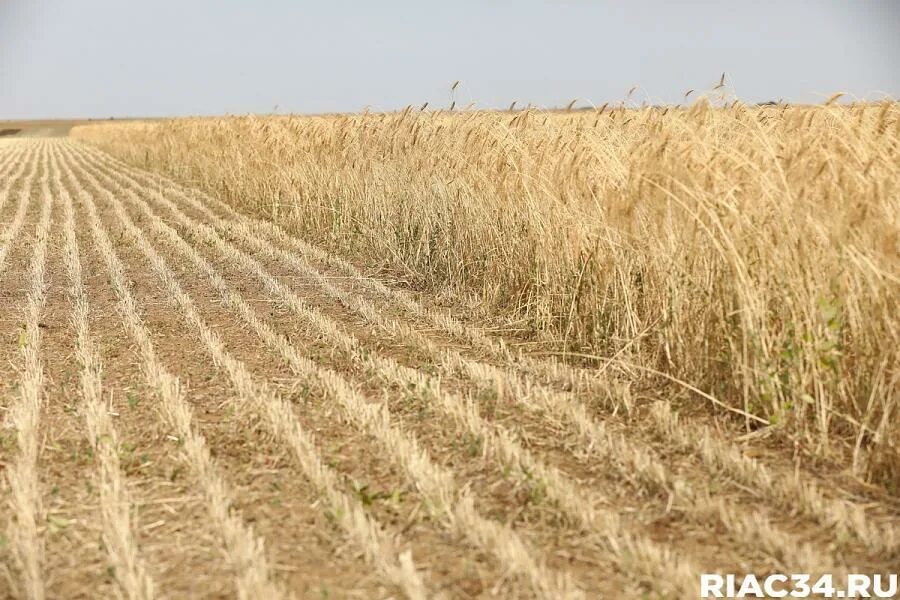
pixel 846 518
pixel 244 551
pixel 13 155
pixel 8 158
pixel 434 482
pixel 73 552
pixel 24 415
pixel 628 458
pixel 15 225
pixel 12 169
pixel 16 256
pixel 116 506
pixel 179 541
pixel 788 492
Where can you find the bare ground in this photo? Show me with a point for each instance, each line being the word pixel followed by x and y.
pixel 330 436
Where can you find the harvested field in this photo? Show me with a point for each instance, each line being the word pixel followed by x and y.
pixel 197 402
pixel 44 128
pixel 38 128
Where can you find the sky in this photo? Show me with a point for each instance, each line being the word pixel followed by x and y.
pixel 104 58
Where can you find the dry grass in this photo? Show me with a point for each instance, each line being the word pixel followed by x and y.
pixel 12 228
pixel 751 252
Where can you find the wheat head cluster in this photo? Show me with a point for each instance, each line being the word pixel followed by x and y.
pixel 741 258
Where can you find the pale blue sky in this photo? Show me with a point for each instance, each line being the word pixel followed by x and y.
pixel 101 58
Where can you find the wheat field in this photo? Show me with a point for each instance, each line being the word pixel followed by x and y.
pixel 464 354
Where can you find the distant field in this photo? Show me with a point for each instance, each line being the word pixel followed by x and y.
pixel 449 355
pixel 43 127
